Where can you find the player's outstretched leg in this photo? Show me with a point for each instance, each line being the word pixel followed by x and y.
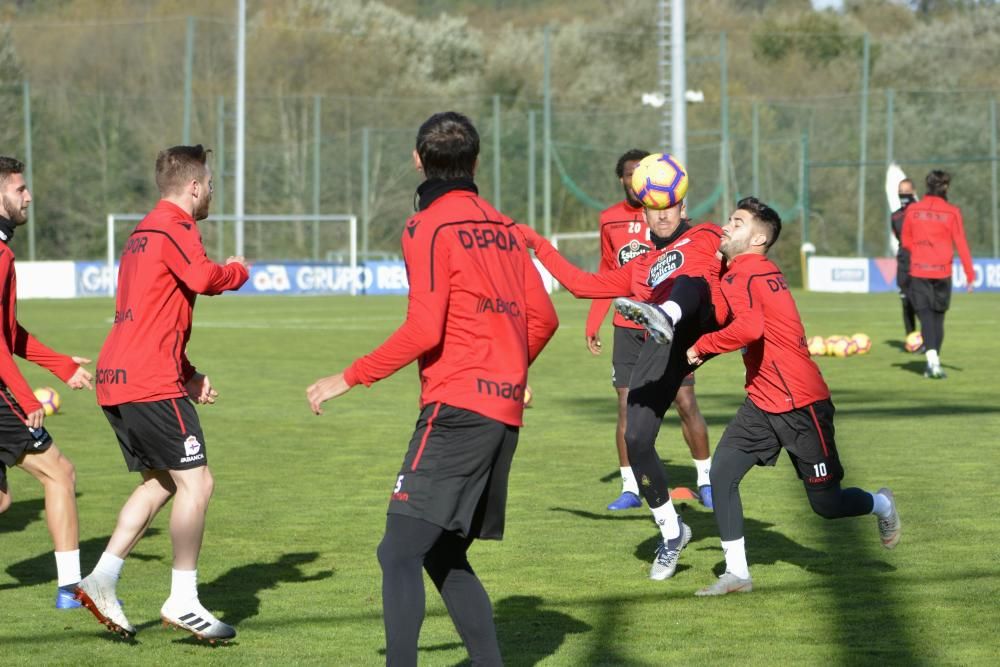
pixel 889 527
pixel 97 594
pixel 668 552
pixel 648 315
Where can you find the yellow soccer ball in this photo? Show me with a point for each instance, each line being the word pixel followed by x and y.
pixel 863 342
pixel 914 341
pixel 659 181
pixel 835 344
pixel 49 398
pixel 817 346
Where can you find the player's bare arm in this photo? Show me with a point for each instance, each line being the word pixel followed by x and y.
pixel 81 377
pixel 200 389
pixel 323 389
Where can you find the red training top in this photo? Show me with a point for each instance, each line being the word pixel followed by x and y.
pixel 930 227
pixel 477 313
pixel 16 340
pixel 163 269
pixel 650 276
pixel 780 375
pixel 624 236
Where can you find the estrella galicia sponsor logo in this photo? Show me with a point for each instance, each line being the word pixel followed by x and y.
pixel 488 238
pixel 508 390
pixel 112 376
pixel 630 251
pixel 498 306
pixel 664 267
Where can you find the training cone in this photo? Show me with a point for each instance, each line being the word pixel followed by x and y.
pixel 682 493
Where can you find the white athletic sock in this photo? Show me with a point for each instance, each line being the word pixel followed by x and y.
pixel 703 466
pixel 881 505
pixel 673 311
pixel 68 567
pixel 183 586
pixel 736 558
pixel 932 358
pixel 666 518
pixel 628 481
pixel 109 566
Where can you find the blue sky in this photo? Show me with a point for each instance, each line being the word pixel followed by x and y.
pixel 824 4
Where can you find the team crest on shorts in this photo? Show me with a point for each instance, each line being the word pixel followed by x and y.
pixel 191 445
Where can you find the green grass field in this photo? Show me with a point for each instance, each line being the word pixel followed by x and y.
pixel 289 555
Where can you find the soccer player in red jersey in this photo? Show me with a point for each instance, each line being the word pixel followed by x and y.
pixel 625 236
pixel 478 315
pixel 146 385
pixel 685 273
pixel 930 228
pixel 788 403
pixel 24 441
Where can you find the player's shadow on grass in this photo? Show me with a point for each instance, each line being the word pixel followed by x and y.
pixel 42 568
pixel 21 514
pixel 527 632
pixel 918 366
pixel 235 594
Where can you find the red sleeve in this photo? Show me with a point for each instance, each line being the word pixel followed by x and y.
pixel 426 311
pixel 541 314
pixel 185 257
pixel 746 324
pixel 599 307
pixel 10 374
pixel 958 234
pixel 582 284
pixel 28 347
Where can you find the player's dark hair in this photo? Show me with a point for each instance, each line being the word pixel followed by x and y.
pixel 448 146
pixel 633 154
pixel 9 166
pixel 764 215
pixel 178 165
pixel 938 182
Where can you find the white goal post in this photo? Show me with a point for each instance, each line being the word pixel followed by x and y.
pixel 594 235
pixel 351 220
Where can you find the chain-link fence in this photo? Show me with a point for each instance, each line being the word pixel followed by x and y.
pixel 96 128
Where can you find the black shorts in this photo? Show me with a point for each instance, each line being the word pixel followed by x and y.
pixel 930 294
pixel 159 435
pixel 455 472
pixel 627 344
pixel 805 433
pixel 16 438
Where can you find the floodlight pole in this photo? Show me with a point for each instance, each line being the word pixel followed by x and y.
pixel 188 75
pixel 28 176
pixel 241 65
pixel 678 83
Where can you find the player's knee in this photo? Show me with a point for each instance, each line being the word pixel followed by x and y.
pixel 4 502
pixel 67 473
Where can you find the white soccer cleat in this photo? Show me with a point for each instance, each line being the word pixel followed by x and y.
pixel 649 315
pixel 889 529
pixel 98 595
pixel 197 620
pixel 726 584
pixel 667 554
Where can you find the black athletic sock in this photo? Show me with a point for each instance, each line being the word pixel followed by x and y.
pixel 837 503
